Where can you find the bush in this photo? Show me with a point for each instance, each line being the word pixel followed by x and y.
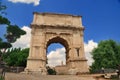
pixel 1 78
pixel 16 57
pixel 51 71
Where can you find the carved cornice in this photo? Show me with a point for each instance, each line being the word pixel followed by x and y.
pixel 60 33
pixel 36 59
pixel 77 59
pixel 56 14
pixel 57 26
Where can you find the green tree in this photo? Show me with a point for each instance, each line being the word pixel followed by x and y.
pixel 16 57
pixel 22 60
pixel 106 55
pixel 3 20
pixel 4 46
pixel 13 32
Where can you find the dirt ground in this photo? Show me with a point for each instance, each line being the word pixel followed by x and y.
pixel 20 76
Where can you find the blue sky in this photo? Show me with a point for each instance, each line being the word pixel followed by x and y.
pixel 101 18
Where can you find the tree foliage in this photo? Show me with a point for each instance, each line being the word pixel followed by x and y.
pixel 16 57
pixel 51 71
pixel 106 55
pixel 13 32
pixel 4 20
pixel 4 46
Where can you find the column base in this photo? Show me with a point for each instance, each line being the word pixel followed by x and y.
pixel 39 71
pixel 36 66
pixel 78 65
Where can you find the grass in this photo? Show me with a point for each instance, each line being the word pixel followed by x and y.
pixel 1 78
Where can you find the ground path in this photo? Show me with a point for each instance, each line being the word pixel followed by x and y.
pixel 17 76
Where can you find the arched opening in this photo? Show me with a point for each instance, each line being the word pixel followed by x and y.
pixel 57 51
pixel 56 54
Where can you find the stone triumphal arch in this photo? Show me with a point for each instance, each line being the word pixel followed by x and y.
pixel 50 28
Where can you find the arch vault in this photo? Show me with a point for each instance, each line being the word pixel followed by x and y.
pixel 50 28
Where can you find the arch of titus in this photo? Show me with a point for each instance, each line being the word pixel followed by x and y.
pixel 50 28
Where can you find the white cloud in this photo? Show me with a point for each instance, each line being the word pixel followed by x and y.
pixel 56 57
pixel 35 2
pixel 88 48
pixel 23 41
